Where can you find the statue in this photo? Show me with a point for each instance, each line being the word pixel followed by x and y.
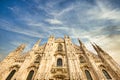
pixel 60 47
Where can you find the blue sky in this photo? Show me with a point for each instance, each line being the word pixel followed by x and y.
pixel 26 21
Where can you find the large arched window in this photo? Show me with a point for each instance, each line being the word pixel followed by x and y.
pixel 82 60
pixel 59 62
pixel 88 75
pixel 106 74
pixel 11 75
pixel 30 75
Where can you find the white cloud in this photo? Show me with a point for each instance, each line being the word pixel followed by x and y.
pixel 58 28
pixel 53 21
pixel 35 24
pixel 60 13
pixel 110 44
pixel 18 43
pixel 77 23
pixel 12 27
pixel 103 10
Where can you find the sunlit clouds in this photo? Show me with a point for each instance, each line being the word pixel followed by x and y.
pixel 26 21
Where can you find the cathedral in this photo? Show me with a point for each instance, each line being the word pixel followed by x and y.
pixel 59 59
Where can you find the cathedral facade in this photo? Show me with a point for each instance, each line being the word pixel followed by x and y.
pixel 59 59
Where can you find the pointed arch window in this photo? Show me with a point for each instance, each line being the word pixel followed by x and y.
pixel 106 74
pixel 11 75
pixel 88 75
pixel 82 60
pixel 59 62
pixel 30 75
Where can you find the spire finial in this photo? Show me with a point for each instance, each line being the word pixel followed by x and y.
pixel 65 36
pixel 20 48
pixel 81 44
pixel 36 45
pixel 80 41
pixel 93 45
pixel 100 49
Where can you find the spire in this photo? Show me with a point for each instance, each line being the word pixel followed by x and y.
pixel 81 44
pixel 100 49
pixel 51 36
pixel 68 37
pixel 36 45
pixel 18 50
pixel 96 49
pixel 65 36
pixel 80 41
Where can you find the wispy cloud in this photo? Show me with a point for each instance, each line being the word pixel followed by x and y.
pixel 58 28
pixel 57 14
pixel 96 22
pixel 53 21
pixel 104 10
pixel 18 29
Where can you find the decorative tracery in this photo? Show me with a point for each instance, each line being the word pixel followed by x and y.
pixel 60 47
pixel 37 60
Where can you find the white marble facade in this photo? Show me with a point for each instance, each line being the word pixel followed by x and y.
pixel 59 59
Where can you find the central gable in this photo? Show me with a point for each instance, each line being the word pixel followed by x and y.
pixel 59 40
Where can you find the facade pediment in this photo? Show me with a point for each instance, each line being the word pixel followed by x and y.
pixel 59 40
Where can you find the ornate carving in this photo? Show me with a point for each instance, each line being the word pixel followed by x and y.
pixel 43 61
pixel 16 67
pixel 59 69
pixel 60 47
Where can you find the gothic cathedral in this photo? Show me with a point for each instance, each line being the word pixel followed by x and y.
pixel 59 59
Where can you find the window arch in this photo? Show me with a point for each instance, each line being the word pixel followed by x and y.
pixel 106 74
pixel 88 75
pixel 59 62
pixel 11 75
pixel 30 75
pixel 82 60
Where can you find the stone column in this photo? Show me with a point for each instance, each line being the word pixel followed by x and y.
pixel 74 68
pixel 46 61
